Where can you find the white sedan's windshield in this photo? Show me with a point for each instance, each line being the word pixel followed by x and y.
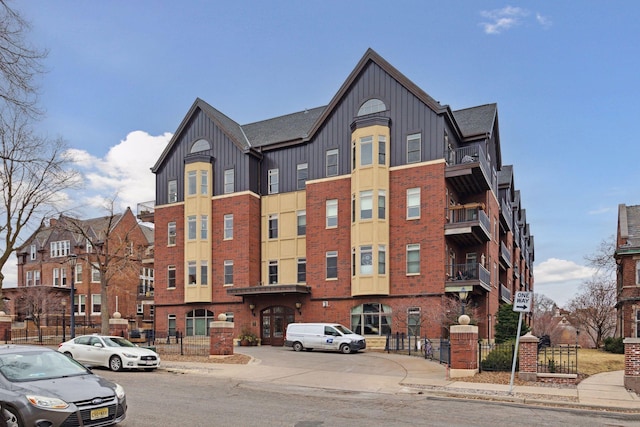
pixel 32 366
pixel 117 342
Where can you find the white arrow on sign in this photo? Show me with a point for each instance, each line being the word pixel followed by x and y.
pixel 522 303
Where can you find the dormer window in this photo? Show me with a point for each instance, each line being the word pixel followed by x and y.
pixel 200 145
pixel 371 106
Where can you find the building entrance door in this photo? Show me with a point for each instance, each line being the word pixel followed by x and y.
pixel 274 321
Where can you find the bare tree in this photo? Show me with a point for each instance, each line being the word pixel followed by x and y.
pixel 544 316
pixel 602 259
pixel 592 310
pixel 36 302
pixel 33 173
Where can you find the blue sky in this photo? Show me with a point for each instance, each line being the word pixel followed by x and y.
pixel 123 74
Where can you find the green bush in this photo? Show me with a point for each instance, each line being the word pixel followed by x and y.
pixel 499 359
pixel 614 345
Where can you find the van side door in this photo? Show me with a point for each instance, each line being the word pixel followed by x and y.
pixel 331 338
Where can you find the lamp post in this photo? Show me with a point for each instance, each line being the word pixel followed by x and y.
pixel 72 260
pixel 64 314
pixel 463 294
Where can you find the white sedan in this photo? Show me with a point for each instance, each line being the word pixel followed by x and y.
pixel 115 353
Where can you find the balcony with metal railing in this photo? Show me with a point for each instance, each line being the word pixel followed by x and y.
pixel 470 276
pixel 469 170
pixel 146 211
pixel 468 224
pixel 506 214
pixel 505 255
pixel 505 294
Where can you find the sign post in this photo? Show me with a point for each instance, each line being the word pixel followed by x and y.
pixel 522 304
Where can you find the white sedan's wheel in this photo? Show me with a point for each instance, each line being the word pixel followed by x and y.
pixel 115 363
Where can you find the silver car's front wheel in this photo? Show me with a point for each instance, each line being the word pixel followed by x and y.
pixel 11 417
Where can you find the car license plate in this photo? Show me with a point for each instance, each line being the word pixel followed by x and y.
pixel 96 414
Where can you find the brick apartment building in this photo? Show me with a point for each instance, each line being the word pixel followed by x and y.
pixel 44 270
pixel 628 273
pixel 373 211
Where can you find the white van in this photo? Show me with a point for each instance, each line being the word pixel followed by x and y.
pixel 323 336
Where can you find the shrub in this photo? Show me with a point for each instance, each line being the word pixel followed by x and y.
pixel 614 345
pixel 499 359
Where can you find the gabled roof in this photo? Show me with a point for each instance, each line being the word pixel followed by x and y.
pixel 505 176
pixel 476 121
pixel 284 128
pixel 629 226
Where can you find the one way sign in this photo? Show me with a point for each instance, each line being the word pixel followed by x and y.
pixel 522 302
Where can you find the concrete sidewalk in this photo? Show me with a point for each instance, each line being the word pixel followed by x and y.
pixel 397 374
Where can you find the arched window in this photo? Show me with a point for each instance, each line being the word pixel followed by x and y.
pixel 198 322
pixel 371 106
pixel 200 145
pixel 371 319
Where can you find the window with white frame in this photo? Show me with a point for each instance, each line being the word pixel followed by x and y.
pixel 89 246
pixel 191 183
pixel 413 259
pixel 382 204
pixel 78 278
pixel 366 260
pixel 273 272
pixel 366 150
pixel 63 276
pixel 274 181
pixel 228 272
pixel 302 175
pixel 32 252
pixel 96 303
pixel 204 273
pixel 332 213
pixel 56 277
pixel 171 233
pixel 204 227
pixel 229 181
pixel 146 281
pixel 414 148
pixel 302 222
pixel 95 274
pixel 382 259
pixel 273 226
pixel 332 264
pixel 204 183
pixel 191 272
pixel 413 203
pixel 382 150
pixel 171 276
pixel 332 162
pixel 171 325
pixel 59 249
pixel 366 204
pixel 29 278
pixel 302 270
pixel 139 309
pixel 191 227
pixel 228 227
pixel 80 302
pixel 371 106
pixel 36 278
pixel 172 191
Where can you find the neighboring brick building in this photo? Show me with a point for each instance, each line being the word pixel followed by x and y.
pixel 628 275
pixel 371 211
pixel 43 267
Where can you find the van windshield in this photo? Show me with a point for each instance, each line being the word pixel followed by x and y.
pixel 342 329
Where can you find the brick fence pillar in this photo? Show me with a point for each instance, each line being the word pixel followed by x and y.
pixel 118 326
pixel 528 358
pixel 5 327
pixel 464 349
pixel 221 337
pixel 632 364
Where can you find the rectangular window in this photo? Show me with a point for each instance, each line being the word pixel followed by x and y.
pixel 171 234
pixel 78 273
pixel 139 309
pixel 353 155
pixel 302 270
pixel 171 325
pixel 366 260
pixel 382 259
pixel 228 226
pixel 366 204
pixel 89 247
pixel 413 203
pixel 332 213
pixel 191 227
pixel 63 276
pixel 302 223
pixel 413 259
pixel 413 321
pixel 59 249
pixel 204 183
pixel 273 226
pixel 146 281
pixel 353 261
pixel 56 277
pixel 332 162
pixel 366 151
pixel 382 204
pixel 36 278
pixel 302 175
pixel 414 143
pixel 332 264
pixel 171 276
pixel 228 272
pixel 191 271
pixel 96 303
pixel 80 302
pixel 637 272
pixel 274 181
pixel 204 227
pixel 191 183
pixel 382 150
pixel 229 181
pixel 204 273
pixel 95 274
pixel 172 191
pixel 29 278
pixel 273 272
pixel 32 252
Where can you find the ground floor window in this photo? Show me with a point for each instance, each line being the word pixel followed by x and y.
pixel 371 319
pixel 637 325
pixel 198 322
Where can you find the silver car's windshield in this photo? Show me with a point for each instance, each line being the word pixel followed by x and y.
pixel 38 366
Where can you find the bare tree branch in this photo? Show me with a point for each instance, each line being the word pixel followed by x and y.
pixel 592 310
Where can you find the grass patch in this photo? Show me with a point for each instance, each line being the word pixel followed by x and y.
pixel 593 361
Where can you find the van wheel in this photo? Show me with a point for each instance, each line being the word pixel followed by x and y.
pixel 345 349
pixel 297 346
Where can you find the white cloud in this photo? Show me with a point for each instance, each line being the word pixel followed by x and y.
pixel 543 20
pixel 560 279
pixel 500 20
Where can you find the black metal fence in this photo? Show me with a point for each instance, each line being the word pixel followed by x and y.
pixel 558 360
pixel 178 344
pixel 495 357
pixel 45 336
pixel 415 346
